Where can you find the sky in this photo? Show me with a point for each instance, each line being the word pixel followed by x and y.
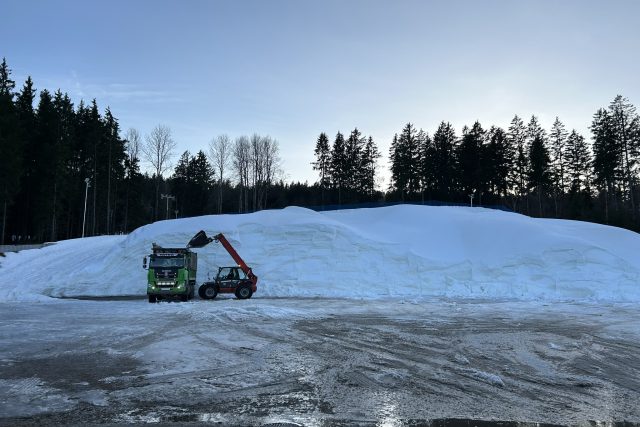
pixel 292 69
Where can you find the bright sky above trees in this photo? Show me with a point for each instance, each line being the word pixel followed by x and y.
pixel 292 69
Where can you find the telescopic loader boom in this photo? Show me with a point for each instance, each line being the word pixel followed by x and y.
pixel 228 280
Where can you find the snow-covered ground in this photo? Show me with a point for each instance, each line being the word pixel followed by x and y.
pixel 400 252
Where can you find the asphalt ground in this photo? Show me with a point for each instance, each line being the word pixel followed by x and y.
pixel 317 362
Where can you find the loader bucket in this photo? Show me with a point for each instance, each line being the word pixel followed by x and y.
pixel 199 240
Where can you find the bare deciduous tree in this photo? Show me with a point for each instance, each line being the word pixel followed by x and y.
pixel 133 145
pixel 241 162
pixel 158 151
pixel 256 163
pixel 220 152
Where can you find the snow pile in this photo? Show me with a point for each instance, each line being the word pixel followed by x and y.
pixel 400 251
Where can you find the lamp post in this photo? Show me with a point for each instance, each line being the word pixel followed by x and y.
pixel 471 197
pixel 176 212
pixel 168 197
pixel 84 215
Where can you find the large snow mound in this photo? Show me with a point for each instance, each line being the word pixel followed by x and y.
pixel 400 251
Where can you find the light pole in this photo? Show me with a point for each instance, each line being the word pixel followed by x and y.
pixel 84 215
pixel 167 196
pixel 176 211
pixel 471 197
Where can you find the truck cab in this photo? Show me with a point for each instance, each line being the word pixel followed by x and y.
pixel 171 273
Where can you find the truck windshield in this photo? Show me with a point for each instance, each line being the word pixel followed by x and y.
pixel 166 262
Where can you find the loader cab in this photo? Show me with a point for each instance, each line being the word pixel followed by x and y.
pixel 229 276
pixel 229 280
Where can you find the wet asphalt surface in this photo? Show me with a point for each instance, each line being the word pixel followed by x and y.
pixel 317 362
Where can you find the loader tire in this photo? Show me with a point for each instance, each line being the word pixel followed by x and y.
pixel 207 291
pixel 244 292
pixel 152 299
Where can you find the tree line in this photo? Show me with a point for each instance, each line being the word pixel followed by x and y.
pixel 57 157
pixel 554 173
pixel 68 171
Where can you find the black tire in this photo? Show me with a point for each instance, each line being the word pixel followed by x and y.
pixel 152 299
pixel 244 292
pixel 207 291
pixel 184 297
pixel 192 290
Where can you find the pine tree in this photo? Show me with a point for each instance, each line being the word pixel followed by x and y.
pixel 26 117
pixel 499 159
pixel 10 146
pixel 339 164
pixel 607 161
pixel 444 161
pixel 469 154
pixel 370 157
pixel 578 162
pixel 405 168
pixel 181 184
pixel 516 138
pixel 539 171
pixel 626 128
pixel 201 179
pixel 354 170
pixel 323 162
pixel 398 182
pixel 426 161
pixel 558 139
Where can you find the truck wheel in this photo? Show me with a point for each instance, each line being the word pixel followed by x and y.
pixel 243 292
pixel 207 291
pixel 192 290
pixel 184 298
pixel 152 298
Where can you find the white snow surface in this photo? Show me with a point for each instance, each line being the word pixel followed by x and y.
pixel 402 251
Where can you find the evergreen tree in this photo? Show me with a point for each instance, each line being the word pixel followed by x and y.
pixel 626 130
pixel 607 161
pixel 398 181
pixel 539 171
pixel 426 163
pixel 202 177
pixel 323 161
pixel 558 139
pixel 181 184
pixel 354 170
pixel 370 157
pixel 405 162
pixel 26 116
pixel 578 162
pixel 10 146
pixel 498 161
pixel 469 154
pixel 444 161
pixel 516 138
pixel 339 164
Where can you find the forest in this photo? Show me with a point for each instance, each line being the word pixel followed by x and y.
pixel 68 170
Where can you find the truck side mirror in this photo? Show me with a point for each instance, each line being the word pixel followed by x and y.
pixel 144 263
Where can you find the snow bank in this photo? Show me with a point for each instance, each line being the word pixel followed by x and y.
pixel 399 251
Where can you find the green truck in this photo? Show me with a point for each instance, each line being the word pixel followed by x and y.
pixel 171 273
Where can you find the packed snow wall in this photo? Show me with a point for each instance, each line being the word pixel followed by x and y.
pixel 399 251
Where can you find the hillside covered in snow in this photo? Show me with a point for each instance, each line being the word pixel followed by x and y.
pixel 392 252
